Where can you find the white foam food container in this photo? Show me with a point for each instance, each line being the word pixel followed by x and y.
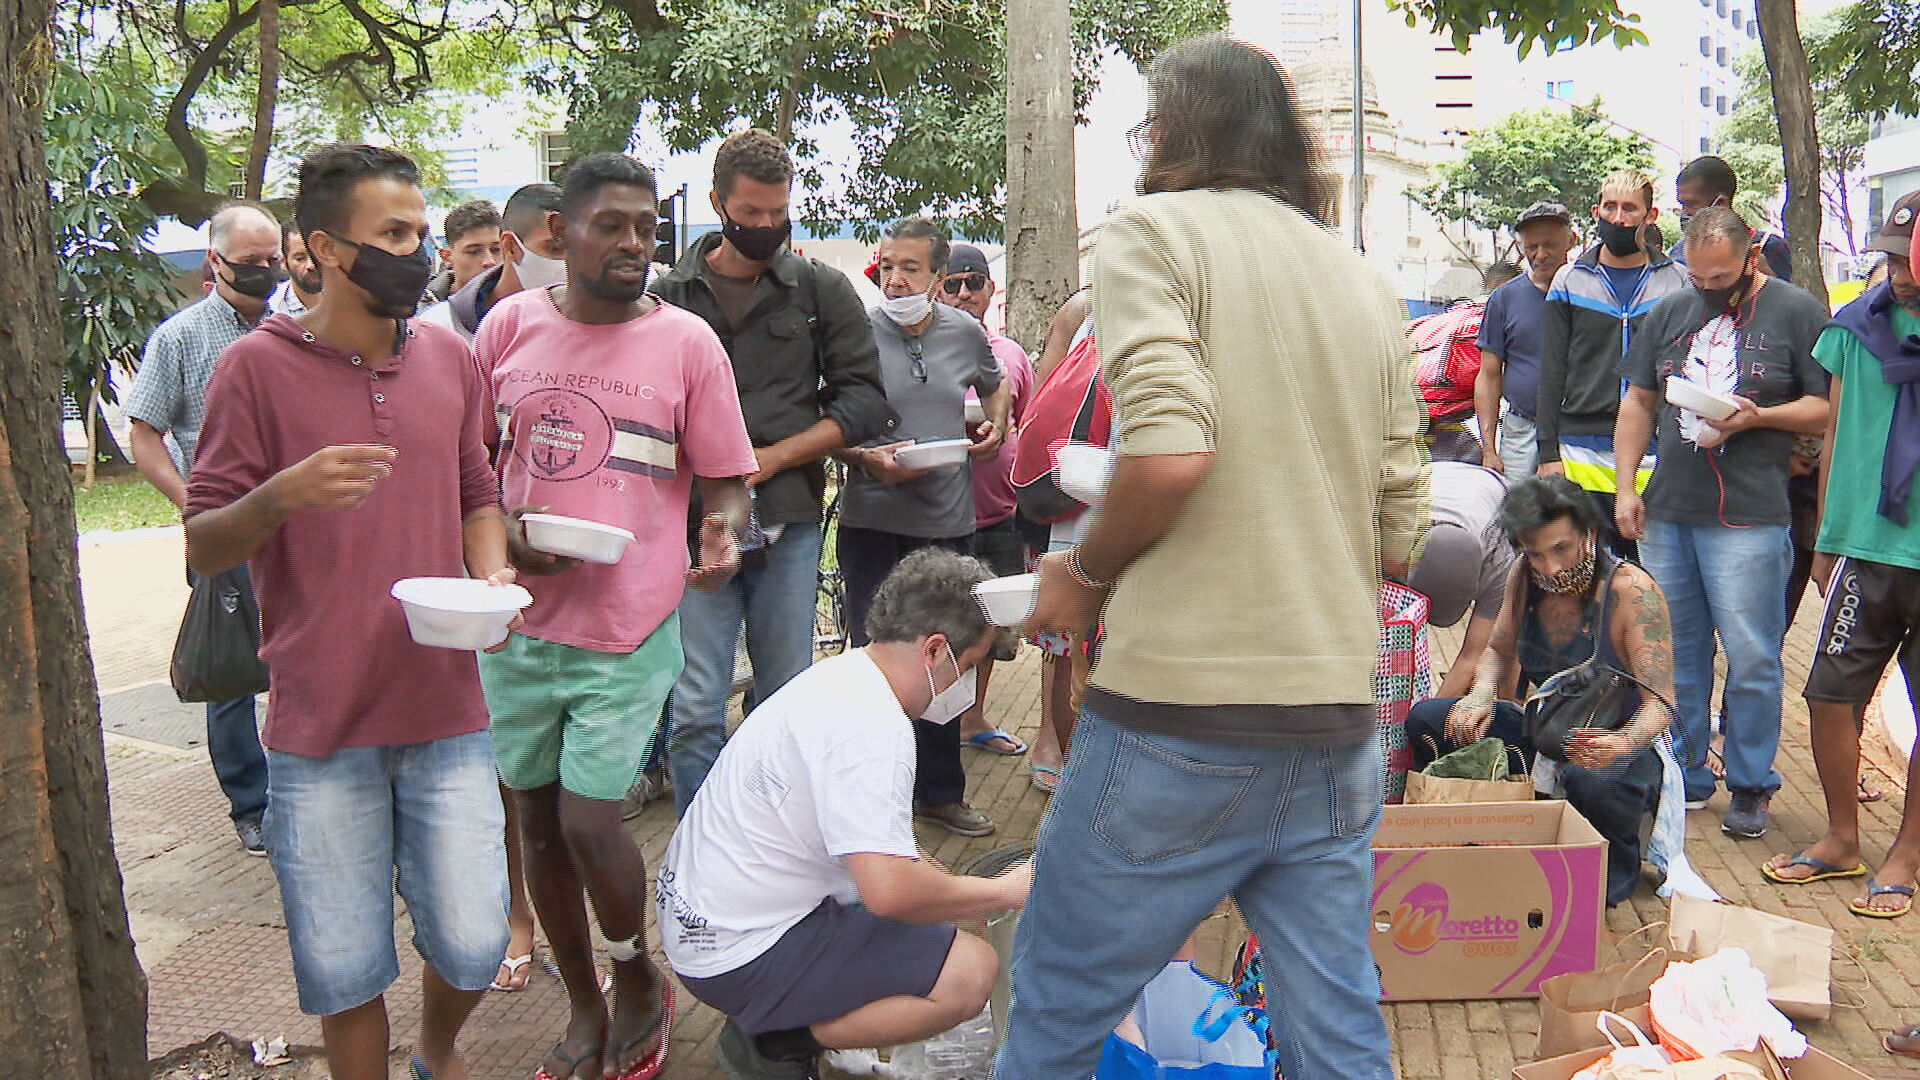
pixel 940 454
pixel 1081 470
pixel 1008 600
pixel 1691 395
pixel 976 412
pixel 458 613
pixel 576 538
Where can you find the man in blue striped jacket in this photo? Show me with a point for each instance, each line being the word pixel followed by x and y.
pixel 1593 307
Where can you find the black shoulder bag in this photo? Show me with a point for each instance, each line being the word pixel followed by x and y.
pixel 1588 695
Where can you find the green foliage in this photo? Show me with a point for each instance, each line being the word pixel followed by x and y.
pixel 113 291
pixel 1873 51
pixel 1555 154
pixel 1750 137
pixel 1550 24
pixel 923 85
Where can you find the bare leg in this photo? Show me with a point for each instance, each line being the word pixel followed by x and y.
pixel 519 911
pixel 1903 858
pixel 974 720
pixel 554 886
pixel 616 880
pixel 1836 758
pixel 443 1011
pixel 959 994
pixel 356 1041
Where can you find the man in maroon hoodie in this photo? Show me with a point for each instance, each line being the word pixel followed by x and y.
pixel 341 452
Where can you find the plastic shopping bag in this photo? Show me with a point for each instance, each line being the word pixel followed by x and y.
pixel 1795 957
pixel 217 655
pixel 1190 1025
pixel 1402 677
pixel 1717 1006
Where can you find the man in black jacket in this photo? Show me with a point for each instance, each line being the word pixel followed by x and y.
pixel 808 375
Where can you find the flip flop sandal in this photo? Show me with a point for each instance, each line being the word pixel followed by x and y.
pixel 1874 889
pixel 987 740
pixel 1903 1041
pixel 650 1066
pixel 1822 871
pixel 419 1072
pixel 1045 780
pixel 1866 794
pixel 572 1067
pixel 514 965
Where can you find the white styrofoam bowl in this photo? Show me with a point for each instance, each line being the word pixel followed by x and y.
pixel 940 454
pixel 976 412
pixel 1690 395
pixel 576 538
pixel 1008 600
pixel 458 613
pixel 1081 470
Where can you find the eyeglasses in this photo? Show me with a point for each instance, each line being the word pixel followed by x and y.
pixel 974 282
pixel 1137 138
pixel 916 359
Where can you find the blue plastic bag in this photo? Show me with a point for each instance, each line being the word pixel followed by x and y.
pixel 1192 1025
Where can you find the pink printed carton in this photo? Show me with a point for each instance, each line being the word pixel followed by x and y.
pixel 1484 900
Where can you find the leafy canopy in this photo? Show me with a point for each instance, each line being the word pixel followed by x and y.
pixel 1552 24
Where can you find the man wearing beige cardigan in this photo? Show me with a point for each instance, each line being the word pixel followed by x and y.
pixel 1266 474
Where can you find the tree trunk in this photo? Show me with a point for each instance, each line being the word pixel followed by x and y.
pixel 73 1005
pixel 1043 232
pixel 265 98
pixel 1799 141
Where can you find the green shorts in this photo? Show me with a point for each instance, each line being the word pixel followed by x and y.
pixel 586 719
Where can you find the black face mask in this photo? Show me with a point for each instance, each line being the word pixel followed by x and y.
pixel 757 243
pixel 249 280
pixel 1718 301
pixel 396 282
pixel 1622 240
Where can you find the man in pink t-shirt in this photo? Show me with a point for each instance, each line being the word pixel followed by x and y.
pixel 612 406
pixel 996 532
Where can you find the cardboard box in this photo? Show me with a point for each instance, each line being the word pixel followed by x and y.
pixel 1482 901
pixel 1814 1066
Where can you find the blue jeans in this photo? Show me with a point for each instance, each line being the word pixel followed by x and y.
pixel 1145 836
pixel 233 741
pixel 1724 581
pixel 775 601
pixel 1518 448
pixel 344 830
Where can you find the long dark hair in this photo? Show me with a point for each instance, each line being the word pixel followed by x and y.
pixel 1224 116
pixel 1538 501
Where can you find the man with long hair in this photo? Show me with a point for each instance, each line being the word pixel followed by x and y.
pixel 1227 745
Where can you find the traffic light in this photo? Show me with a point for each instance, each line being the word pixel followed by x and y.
pixel 667 234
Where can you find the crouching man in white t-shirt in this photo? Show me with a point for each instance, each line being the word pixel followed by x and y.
pixel 793 898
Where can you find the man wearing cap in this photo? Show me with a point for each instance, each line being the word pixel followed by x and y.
pixel 1510 342
pixel 997 541
pixel 1463 562
pixel 1868 563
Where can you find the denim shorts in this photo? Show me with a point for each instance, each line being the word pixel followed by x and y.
pixel 344 830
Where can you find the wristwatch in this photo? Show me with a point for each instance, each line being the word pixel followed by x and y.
pixel 1079 572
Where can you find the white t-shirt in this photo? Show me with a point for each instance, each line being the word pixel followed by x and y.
pixel 821 770
pixel 442 313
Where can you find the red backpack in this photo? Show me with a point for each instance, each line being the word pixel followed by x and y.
pixel 1070 406
pixel 1446 360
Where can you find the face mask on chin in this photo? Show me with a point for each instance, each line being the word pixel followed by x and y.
pixel 536 271
pixel 955 699
pixel 910 310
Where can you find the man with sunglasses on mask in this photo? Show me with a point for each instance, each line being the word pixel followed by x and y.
pixel 802 355
pixel 530 258
pixel 167 405
pixel 930 356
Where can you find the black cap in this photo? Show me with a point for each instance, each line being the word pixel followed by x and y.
pixel 967 259
pixel 1544 211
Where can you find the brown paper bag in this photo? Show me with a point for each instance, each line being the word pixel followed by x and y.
pixel 1796 957
pixel 1571 1004
pixel 1423 789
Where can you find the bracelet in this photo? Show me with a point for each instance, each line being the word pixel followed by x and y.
pixel 1079 572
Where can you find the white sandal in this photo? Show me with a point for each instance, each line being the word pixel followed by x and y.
pixel 514 965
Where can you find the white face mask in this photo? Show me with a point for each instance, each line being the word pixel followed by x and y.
pixel 537 271
pixel 955 699
pixel 909 310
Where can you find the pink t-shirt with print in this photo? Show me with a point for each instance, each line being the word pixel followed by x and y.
pixel 610 423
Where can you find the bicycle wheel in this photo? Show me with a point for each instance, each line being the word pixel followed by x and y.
pixel 830 615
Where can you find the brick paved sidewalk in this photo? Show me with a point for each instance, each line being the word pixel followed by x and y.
pixel 208 924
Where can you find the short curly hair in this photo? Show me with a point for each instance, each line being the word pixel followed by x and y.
pixel 754 154
pixel 463 219
pixel 931 592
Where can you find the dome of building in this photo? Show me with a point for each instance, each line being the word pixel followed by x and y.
pixel 1324 81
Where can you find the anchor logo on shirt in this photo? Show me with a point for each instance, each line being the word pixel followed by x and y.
pixel 556 440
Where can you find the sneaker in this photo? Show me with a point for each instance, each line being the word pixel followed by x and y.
pixel 251 837
pixel 740 1059
pixel 1747 817
pixel 957 818
pixel 1696 804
